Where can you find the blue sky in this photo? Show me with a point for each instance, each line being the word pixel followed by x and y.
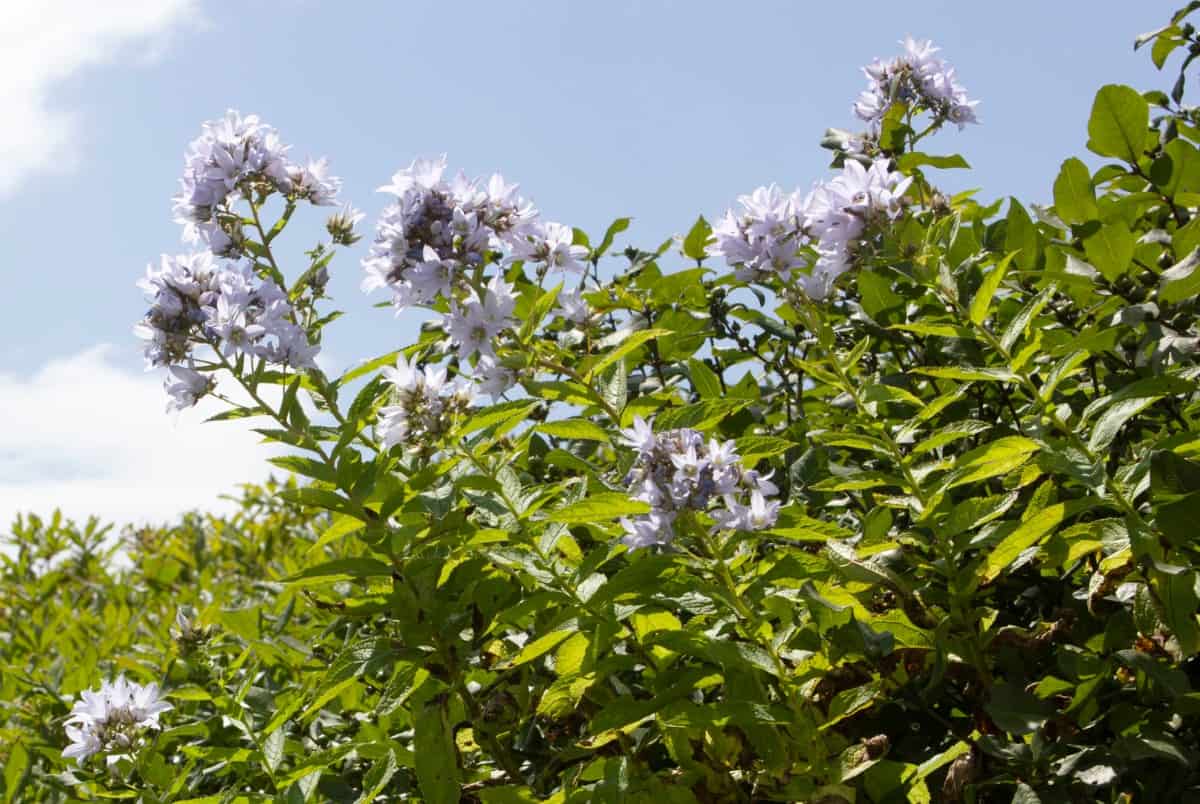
pixel 658 110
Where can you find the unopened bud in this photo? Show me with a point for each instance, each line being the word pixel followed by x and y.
pixel 341 225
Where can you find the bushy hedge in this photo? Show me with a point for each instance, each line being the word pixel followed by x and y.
pixel 897 501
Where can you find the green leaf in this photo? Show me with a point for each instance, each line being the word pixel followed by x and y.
pixel 1109 424
pixel 614 229
pixel 324 498
pixel 852 701
pixel 1074 198
pixel 1027 534
pixel 1015 710
pixel 876 292
pixel 1118 123
pixel 967 373
pixel 614 387
pixel 635 340
pixel 272 749
pixel 931 330
pixel 907 162
pixel 1180 604
pixel 508 794
pixel 542 305
pixel 577 429
pixel 704 380
pixel 238 413
pixel 541 646
pixel 341 569
pixel 377 778
pixel 1022 237
pixel 492 415
pixel 696 240
pixel 990 460
pixel 987 289
pixel 955 431
pixel 305 466
pixel 599 507
pixel 1185 168
pixel 15 771
pixel 1181 281
pixel 367 367
pixel 1110 249
pixel 1020 323
pixel 435 752
pixel 700 416
pixel 754 448
pixel 342 525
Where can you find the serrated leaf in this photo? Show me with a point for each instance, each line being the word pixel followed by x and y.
pixel 577 429
pixel 598 508
pixel 990 460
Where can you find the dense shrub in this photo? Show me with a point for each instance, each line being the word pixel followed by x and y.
pixel 896 501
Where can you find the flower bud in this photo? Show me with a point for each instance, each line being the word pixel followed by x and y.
pixel 341 225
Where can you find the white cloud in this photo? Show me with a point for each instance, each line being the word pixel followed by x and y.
pixel 87 436
pixel 43 43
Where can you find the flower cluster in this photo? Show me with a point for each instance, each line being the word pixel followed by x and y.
pixel 676 471
pixel 233 157
pixel 916 77
pixel 424 405
pixel 195 298
pixel 433 242
pixel 113 720
pixel 775 231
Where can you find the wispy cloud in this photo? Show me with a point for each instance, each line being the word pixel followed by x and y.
pixel 87 436
pixel 45 42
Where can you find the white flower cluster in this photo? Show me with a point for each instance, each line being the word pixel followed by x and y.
pixel 915 77
pixel 432 243
pixel 769 236
pixel 195 298
pixel 113 720
pixel 425 405
pixel 677 471
pixel 231 156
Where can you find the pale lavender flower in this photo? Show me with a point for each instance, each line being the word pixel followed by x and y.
pixel 424 405
pixel 553 245
pixel 677 471
pixel 113 719
pixel 185 386
pixel 918 76
pixel 573 307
